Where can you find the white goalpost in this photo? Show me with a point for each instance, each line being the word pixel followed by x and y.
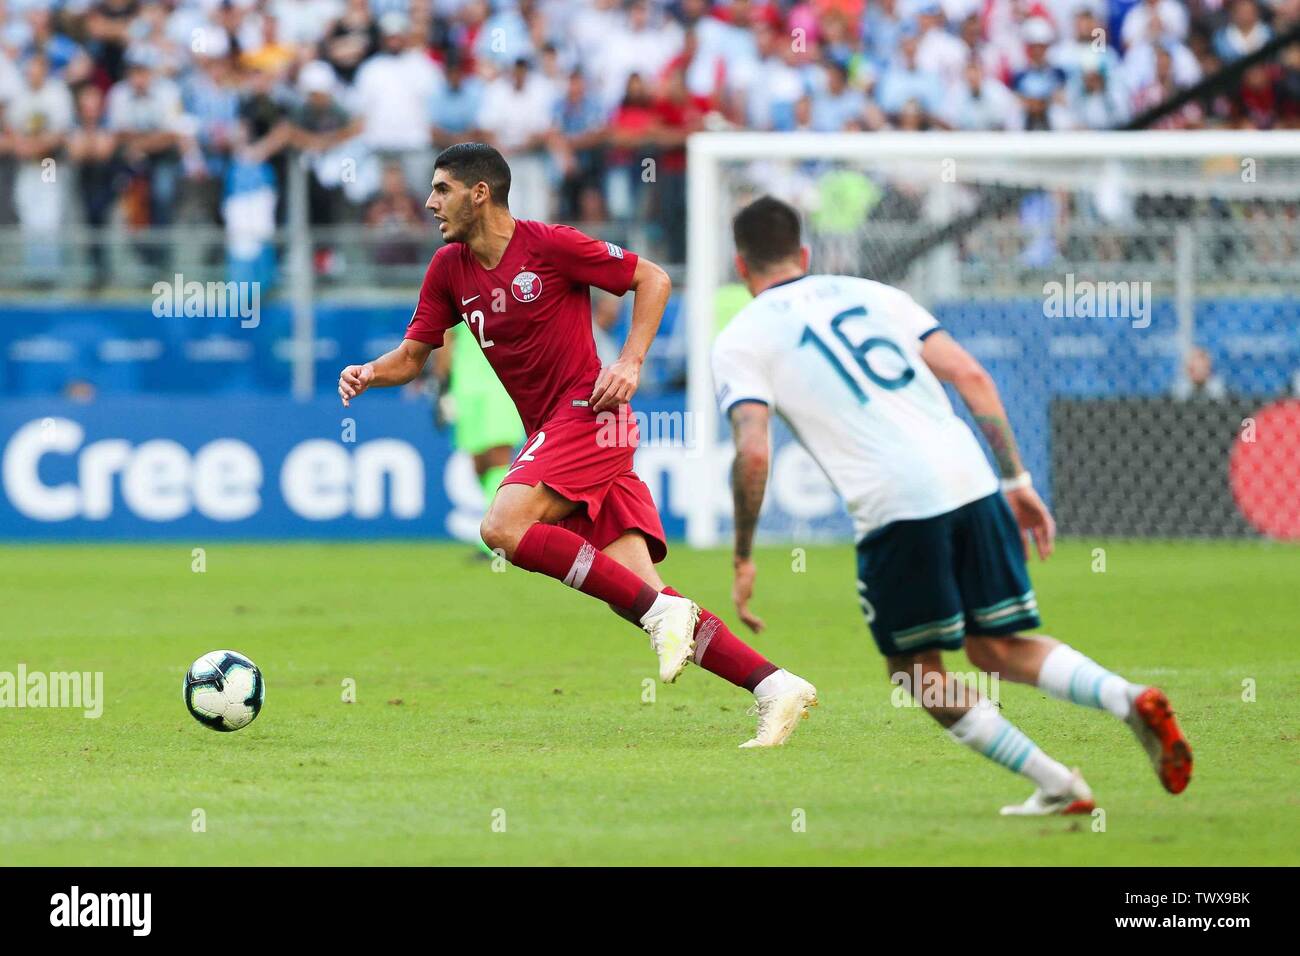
pixel 997 233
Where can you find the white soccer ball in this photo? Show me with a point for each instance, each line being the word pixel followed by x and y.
pixel 224 690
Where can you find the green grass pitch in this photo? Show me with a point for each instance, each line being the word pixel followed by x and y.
pixel 487 698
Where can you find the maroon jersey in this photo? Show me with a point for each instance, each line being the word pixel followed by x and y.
pixel 531 315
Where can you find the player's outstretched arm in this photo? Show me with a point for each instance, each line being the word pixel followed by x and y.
pixel 952 363
pixel 397 367
pixel 749 431
pixel 617 384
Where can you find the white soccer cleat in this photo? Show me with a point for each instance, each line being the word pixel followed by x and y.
pixel 672 635
pixel 779 713
pixel 1076 799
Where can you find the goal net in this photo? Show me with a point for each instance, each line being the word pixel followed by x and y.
pixel 1135 296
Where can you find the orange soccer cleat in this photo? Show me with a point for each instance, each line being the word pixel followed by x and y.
pixel 1152 720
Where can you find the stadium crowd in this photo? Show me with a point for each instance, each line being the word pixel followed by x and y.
pixel 186 111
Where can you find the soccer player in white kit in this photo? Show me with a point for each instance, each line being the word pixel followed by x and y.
pixel 855 368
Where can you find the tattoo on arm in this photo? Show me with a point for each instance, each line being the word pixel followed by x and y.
pixel 748 472
pixel 997 431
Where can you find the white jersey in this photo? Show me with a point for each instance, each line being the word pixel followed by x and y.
pixel 839 358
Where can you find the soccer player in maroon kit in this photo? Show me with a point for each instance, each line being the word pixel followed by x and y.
pixel 571 506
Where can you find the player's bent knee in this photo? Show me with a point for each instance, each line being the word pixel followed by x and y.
pixel 922 677
pixel 988 653
pixel 905 669
pixel 500 533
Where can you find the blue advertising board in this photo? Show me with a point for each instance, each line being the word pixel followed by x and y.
pixel 258 467
pixel 191 433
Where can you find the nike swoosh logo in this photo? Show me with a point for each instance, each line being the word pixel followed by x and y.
pixel 469 300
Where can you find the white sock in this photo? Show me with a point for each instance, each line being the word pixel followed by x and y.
pixel 986 731
pixel 1068 675
pixel 662 602
pixel 773 683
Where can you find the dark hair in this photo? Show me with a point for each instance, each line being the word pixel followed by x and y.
pixel 474 163
pixel 766 233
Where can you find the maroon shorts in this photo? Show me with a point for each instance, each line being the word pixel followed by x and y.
pixel 588 460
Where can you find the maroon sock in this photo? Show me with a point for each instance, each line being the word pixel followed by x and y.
pixel 723 653
pixel 565 556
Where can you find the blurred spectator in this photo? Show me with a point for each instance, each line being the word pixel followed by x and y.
pixel 1257 99
pixel 144 111
pixel 724 44
pixel 303 23
pixel 263 105
pixel 1151 21
pixel 1140 64
pixel 455 110
pixel 108 27
pixel 269 54
pixel 634 45
pixel 939 52
pixel 352 39
pixel 591 23
pixel 248 207
pixel 993 60
pixel 149 31
pixel 1086 45
pixel 10 77
pixel 1244 33
pixel 323 129
pixel 210 97
pixel 1161 87
pixel 1039 78
pixel 515 117
pixel 1040 84
pixel 802 122
pixel 551 71
pixel 1289 80
pixel 397 218
pixel 342 170
pixel 394 95
pixel 774 81
pixel 1095 98
pixel 67 60
pixel 92 150
pixel 678 114
pixel 631 126
pixel 837 107
pixel 980 102
pixel 1004 23
pixel 189 111
pixel 904 80
pixel 504 38
pixel 39 115
pixel 575 144
pixel 1197 380
pixel 1218 109
pixel 882 31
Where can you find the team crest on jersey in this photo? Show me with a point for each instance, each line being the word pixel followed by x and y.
pixel 526 286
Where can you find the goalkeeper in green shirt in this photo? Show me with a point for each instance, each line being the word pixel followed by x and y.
pixel 472 399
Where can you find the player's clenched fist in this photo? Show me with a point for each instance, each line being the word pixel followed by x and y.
pixel 354 380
